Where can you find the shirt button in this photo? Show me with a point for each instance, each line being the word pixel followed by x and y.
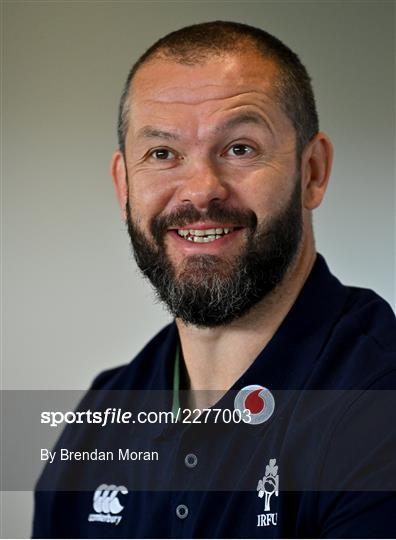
pixel 191 461
pixel 182 511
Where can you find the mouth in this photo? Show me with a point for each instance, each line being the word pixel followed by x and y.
pixel 202 236
pixel 205 237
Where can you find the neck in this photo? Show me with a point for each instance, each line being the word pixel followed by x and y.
pixel 215 358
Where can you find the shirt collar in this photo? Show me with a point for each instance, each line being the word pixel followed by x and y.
pixel 288 359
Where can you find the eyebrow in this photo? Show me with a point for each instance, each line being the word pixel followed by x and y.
pixel 245 118
pixel 151 132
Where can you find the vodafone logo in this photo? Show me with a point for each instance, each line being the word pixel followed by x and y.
pixel 256 399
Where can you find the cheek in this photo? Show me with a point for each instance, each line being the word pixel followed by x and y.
pixel 148 197
pixel 266 193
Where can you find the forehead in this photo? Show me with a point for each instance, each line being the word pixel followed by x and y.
pixel 165 91
pixel 241 70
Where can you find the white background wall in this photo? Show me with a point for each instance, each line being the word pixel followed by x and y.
pixel 73 303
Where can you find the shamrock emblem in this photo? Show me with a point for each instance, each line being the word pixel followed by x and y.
pixel 269 484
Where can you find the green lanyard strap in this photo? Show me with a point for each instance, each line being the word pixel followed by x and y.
pixel 176 382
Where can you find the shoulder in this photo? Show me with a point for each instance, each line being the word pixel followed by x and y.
pixel 372 317
pixel 369 329
pixel 361 345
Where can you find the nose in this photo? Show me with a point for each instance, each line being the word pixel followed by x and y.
pixel 202 186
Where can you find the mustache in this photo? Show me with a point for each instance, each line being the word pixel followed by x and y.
pixel 182 216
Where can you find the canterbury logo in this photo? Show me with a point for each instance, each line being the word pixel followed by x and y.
pixel 105 499
pixel 106 503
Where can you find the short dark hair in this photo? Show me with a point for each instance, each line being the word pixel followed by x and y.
pixel 197 43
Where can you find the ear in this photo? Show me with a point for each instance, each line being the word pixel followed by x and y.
pixel 119 174
pixel 316 164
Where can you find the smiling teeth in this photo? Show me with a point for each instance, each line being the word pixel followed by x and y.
pixel 203 235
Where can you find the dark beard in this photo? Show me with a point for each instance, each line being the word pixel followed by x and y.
pixel 209 290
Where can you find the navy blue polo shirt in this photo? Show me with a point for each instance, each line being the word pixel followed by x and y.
pixel 323 465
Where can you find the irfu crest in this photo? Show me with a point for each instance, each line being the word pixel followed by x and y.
pixel 269 484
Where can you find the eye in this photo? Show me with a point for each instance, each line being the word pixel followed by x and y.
pixel 239 150
pixel 163 154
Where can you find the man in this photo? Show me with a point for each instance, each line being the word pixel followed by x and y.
pixel 219 167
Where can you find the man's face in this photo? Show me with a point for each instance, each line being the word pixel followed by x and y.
pixel 214 204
